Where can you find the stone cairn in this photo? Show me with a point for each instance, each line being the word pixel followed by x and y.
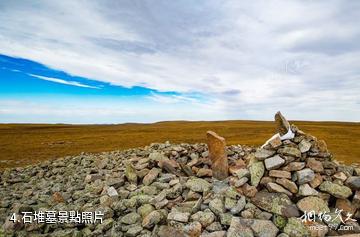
pixel 191 190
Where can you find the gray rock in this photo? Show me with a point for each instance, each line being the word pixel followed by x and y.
pixel 290 151
pixel 274 162
pixel 217 206
pixel 304 146
pixel 353 182
pixel 262 153
pixel 178 216
pixel 130 218
pixel 306 190
pixel 198 185
pixel 264 228
pixel 305 176
pixel 257 170
pixel 337 190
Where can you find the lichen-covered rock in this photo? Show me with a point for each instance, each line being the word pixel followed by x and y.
pixel 295 228
pixel 274 162
pixel 315 204
pixel 257 170
pixel 337 190
pixel 198 185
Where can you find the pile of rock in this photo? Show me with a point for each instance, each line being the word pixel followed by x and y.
pixel 191 190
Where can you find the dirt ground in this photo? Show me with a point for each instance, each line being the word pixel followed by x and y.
pixel 22 144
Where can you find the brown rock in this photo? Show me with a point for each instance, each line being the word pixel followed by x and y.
pixel 341 176
pixel 316 181
pixel 57 197
pixel 151 176
pixel 315 165
pixel 275 142
pixel 273 187
pixel 282 125
pixel 294 166
pixel 202 172
pixel 248 190
pixel 356 199
pixel 321 144
pixel 218 156
pixel 166 231
pixel 266 179
pixel 289 185
pixel 345 205
pixel 235 167
pixel 280 174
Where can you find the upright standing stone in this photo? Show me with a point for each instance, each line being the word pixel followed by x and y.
pixel 217 154
pixel 282 125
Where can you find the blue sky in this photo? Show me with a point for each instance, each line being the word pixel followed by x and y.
pixel 136 61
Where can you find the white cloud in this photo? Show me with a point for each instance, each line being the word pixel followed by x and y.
pixel 61 81
pixel 248 59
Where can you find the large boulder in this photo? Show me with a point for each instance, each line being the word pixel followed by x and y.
pixel 218 155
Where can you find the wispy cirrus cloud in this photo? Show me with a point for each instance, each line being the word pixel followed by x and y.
pixel 62 81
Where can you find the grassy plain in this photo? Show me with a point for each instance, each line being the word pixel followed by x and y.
pixel 22 144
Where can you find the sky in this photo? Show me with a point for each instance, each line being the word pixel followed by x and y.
pixel 145 61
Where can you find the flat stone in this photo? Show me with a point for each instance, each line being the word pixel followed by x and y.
pixel 341 176
pixel 169 231
pixel 337 190
pixel 151 219
pixel 130 218
pixel 275 142
pixel 306 190
pixel 204 217
pixel 353 182
pixel 264 228
pixel 273 187
pixel 130 173
pixel 316 181
pixel 243 173
pixel 198 185
pixel 280 174
pixel 151 176
pixel 315 204
pixel 111 191
pixel 239 229
pixel 274 162
pixel 294 166
pixel 257 170
pixel 217 206
pixel 345 205
pixel 288 184
pixel 241 182
pixel 203 172
pixel 282 125
pixel 304 146
pixel 295 227
pixel 290 151
pixel 218 155
pixel 277 203
pixel 315 165
pixel 178 216
pixel 262 153
pixel 305 175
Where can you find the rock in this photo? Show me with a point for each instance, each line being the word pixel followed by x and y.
pixel 92 177
pixel 305 176
pixel 316 181
pixel 193 229
pixel 295 228
pixel 248 190
pixel 178 216
pixel 262 153
pixel 239 229
pixel 151 176
pixel 289 185
pixel 315 165
pixel 294 166
pixel 130 218
pixel 280 174
pixel 257 170
pixel 57 197
pixel 274 162
pixel 315 204
pixel 282 125
pixel 273 187
pixel 134 231
pixel 264 228
pixel 130 173
pixel 239 206
pixel 316 229
pixel 203 172
pixel 341 176
pixel 218 156
pixel 229 203
pixel 145 210
pixel 198 185
pixel 241 182
pixel 169 231
pixel 111 191
pixel 275 141
pixel 277 203
pixel 346 206
pixel 214 234
pixel 304 146
pixel 151 219
pixel 337 190
pixel 204 217
pixel 290 151
pixel 225 218
pixel 217 206
pixel 306 190
pixel 353 182
pixel 243 173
